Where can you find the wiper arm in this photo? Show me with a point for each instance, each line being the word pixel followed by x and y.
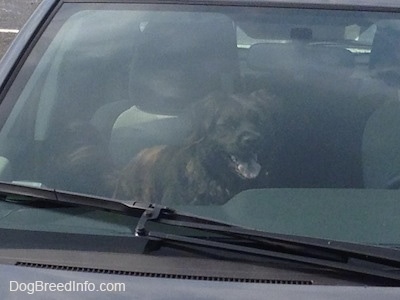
pixel 372 261
pixel 376 262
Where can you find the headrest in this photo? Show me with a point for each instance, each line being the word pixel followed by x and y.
pixel 299 58
pixel 385 54
pixel 385 48
pixel 178 63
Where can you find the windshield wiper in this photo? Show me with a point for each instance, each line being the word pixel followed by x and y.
pixel 40 196
pixel 372 261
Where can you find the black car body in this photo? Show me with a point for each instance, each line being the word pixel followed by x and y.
pixel 88 87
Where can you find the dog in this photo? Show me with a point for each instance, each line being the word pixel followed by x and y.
pixel 219 159
pixel 80 159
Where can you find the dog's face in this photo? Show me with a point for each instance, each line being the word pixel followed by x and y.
pixel 233 130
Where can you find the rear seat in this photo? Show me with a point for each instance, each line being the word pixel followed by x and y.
pixel 283 66
pixel 324 120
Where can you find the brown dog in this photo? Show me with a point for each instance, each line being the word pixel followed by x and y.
pixel 218 160
pixel 79 161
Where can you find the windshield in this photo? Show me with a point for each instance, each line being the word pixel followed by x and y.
pixel 284 120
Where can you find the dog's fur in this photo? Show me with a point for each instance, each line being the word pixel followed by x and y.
pixel 80 158
pixel 218 160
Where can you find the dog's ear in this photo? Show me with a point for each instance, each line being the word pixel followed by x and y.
pixel 204 113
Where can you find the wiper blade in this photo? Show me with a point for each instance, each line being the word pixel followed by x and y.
pixel 375 262
pixel 28 194
pixel 371 261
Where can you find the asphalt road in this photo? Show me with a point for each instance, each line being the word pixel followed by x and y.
pixel 13 15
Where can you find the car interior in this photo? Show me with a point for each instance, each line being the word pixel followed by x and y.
pixel 340 131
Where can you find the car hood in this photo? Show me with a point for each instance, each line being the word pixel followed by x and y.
pixel 16 282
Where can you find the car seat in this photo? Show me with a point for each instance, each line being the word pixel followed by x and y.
pixel 175 65
pixel 314 81
pixel 381 138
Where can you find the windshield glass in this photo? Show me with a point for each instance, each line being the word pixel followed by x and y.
pixel 284 120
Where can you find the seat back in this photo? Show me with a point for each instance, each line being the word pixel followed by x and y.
pixel 321 136
pixel 381 138
pixel 175 65
pixel 298 66
pixel 381 146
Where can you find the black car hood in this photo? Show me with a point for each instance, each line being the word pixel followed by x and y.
pixel 15 280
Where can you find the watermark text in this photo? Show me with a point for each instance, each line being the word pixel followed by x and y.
pixel 39 286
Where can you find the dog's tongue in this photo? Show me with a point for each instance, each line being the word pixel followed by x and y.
pixel 249 169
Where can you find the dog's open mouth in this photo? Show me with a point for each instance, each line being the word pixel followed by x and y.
pixel 247 168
